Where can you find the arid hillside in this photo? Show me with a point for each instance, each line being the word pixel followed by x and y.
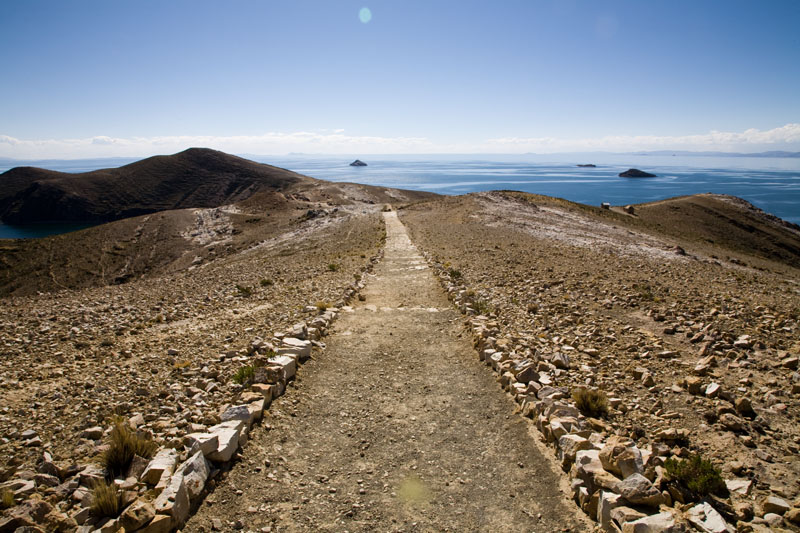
pixel 685 315
pixel 213 205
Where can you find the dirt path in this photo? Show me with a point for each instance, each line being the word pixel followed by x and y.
pixel 396 427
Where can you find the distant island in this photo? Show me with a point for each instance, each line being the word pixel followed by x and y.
pixel 358 163
pixel 636 173
pixel 588 165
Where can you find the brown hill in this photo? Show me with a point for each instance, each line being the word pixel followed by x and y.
pixel 197 177
pixel 177 240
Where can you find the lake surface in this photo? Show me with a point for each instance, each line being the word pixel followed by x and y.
pixel 772 184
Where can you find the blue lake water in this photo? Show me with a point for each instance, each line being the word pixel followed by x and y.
pixel 772 184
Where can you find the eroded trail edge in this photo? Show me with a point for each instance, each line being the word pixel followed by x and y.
pixel 396 426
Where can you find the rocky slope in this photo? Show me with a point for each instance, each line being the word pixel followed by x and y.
pixel 194 178
pixel 694 342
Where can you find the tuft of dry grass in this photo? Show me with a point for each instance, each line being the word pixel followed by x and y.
pixel 124 444
pixel 592 403
pixel 106 500
pixel 7 499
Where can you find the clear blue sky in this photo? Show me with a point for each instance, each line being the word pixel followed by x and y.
pixel 114 77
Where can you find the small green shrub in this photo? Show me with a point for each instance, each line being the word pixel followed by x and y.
pixel 124 444
pixel 333 267
pixel 592 403
pixel 322 306
pixel 454 274
pixel 482 306
pixel 7 499
pixel 106 500
pixel 697 474
pixel 244 375
pixel 243 291
pixel 266 283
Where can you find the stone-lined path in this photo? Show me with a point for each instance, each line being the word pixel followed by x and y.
pixel 396 427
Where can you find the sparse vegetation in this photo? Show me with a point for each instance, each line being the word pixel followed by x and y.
pixel 322 306
pixel 333 267
pixel 180 365
pixel 6 499
pixel 482 306
pixel 106 500
pixel 591 402
pixel 123 445
pixel 106 342
pixel 244 375
pixel 646 292
pixel 454 274
pixel 243 291
pixel 696 473
pixel 266 282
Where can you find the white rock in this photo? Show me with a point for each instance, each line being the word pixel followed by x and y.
pixel 228 439
pixel 164 461
pixel 607 501
pixel 657 523
pixel 297 347
pixel 174 500
pixel 707 519
pixel 195 472
pixel 205 442
pixel 237 412
pixel 287 363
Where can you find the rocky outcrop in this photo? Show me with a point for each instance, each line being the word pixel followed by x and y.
pixel 358 163
pixel 636 173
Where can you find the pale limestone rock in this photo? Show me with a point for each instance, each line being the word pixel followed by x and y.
pixel 163 462
pixel 608 501
pixel 237 412
pixel 228 434
pixel 195 472
pixel 205 442
pixel 739 486
pixel 773 504
pixel 159 524
pixel 299 348
pixel 287 363
pixel 614 447
pixel 174 500
pixel 707 519
pixel 630 461
pixel 638 490
pixel 137 515
pixel 658 523
pixel 568 446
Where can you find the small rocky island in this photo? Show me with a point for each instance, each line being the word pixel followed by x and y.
pixel 358 163
pixel 588 165
pixel 636 173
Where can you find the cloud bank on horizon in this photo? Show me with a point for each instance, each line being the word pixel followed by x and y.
pixel 786 137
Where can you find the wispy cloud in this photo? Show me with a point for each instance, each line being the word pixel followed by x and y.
pixel 785 137
pixel 336 142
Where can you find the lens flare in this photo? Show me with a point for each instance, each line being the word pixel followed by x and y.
pixel 365 15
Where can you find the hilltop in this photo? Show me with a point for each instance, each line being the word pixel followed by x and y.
pixel 197 177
